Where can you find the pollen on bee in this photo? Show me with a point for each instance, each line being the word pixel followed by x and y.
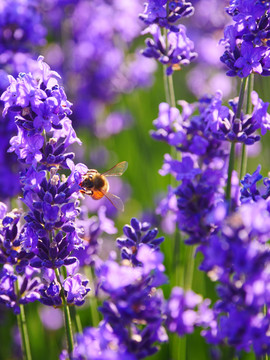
pixel 176 67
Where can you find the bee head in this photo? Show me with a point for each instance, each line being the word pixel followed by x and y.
pixel 87 182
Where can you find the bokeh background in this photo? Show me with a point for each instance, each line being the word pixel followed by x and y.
pixel 95 46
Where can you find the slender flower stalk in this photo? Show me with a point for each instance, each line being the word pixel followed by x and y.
pixel 189 267
pixel 182 266
pixel 73 312
pixel 26 351
pixel 78 322
pixel 75 320
pixel 230 170
pixel 166 86
pixel 93 304
pixel 243 164
pixel 68 325
pixel 172 95
pixel 232 151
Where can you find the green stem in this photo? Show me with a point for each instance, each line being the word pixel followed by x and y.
pixel 171 88
pixel 243 167
pixel 23 329
pixel 230 170
pixel 93 301
pixel 178 347
pixel 165 76
pixel 68 327
pixel 249 91
pixel 265 357
pixel 232 152
pixel 178 259
pixel 190 267
pixel 166 86
pixel 76 319
pixel 241 97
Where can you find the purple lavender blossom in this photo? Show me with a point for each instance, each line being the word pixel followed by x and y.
pixel 101 62
pixel 50 290
pixel 48 238
pixel 167 208
pixel 9 167
pixel 133 297
pixel 37 103
pixel 250 192
pixel 134 300
pixel 92 230
pixel 202 171
pixel 241 268
pixel 181 170
pixel 178 52
pixel 52 211
pixel 13 250
pixel 187 310
pixel 166 12
pixel 76 290
pixel 135 235
pixel 207 74
pixel 219 120
pixel 7 288
pixel 29 287
pixel 100 344
pixel 260 115
pixel 246 41
pixel 21 25
pixel 41 110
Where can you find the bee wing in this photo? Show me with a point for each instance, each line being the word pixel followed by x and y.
pixel 115 200
pixel 117 170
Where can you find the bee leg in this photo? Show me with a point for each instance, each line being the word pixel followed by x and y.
pixel 87 192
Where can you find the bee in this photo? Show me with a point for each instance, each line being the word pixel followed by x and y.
pixel 96 185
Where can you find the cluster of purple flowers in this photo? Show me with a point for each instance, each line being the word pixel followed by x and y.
pixel 247 39
pixel 51 237
pixel 9 167
pixel 250 192
pixel 165 13
pixel 187 310
pixel 22 31
pixel 202 133
pixel 232 236
pixel 135 313
pixel 44 249
pixel 174 48
pixel 135 235
pixel 202 171
pixel 205 26
pixel 241 268
pixel 100 62
pixel 39 108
